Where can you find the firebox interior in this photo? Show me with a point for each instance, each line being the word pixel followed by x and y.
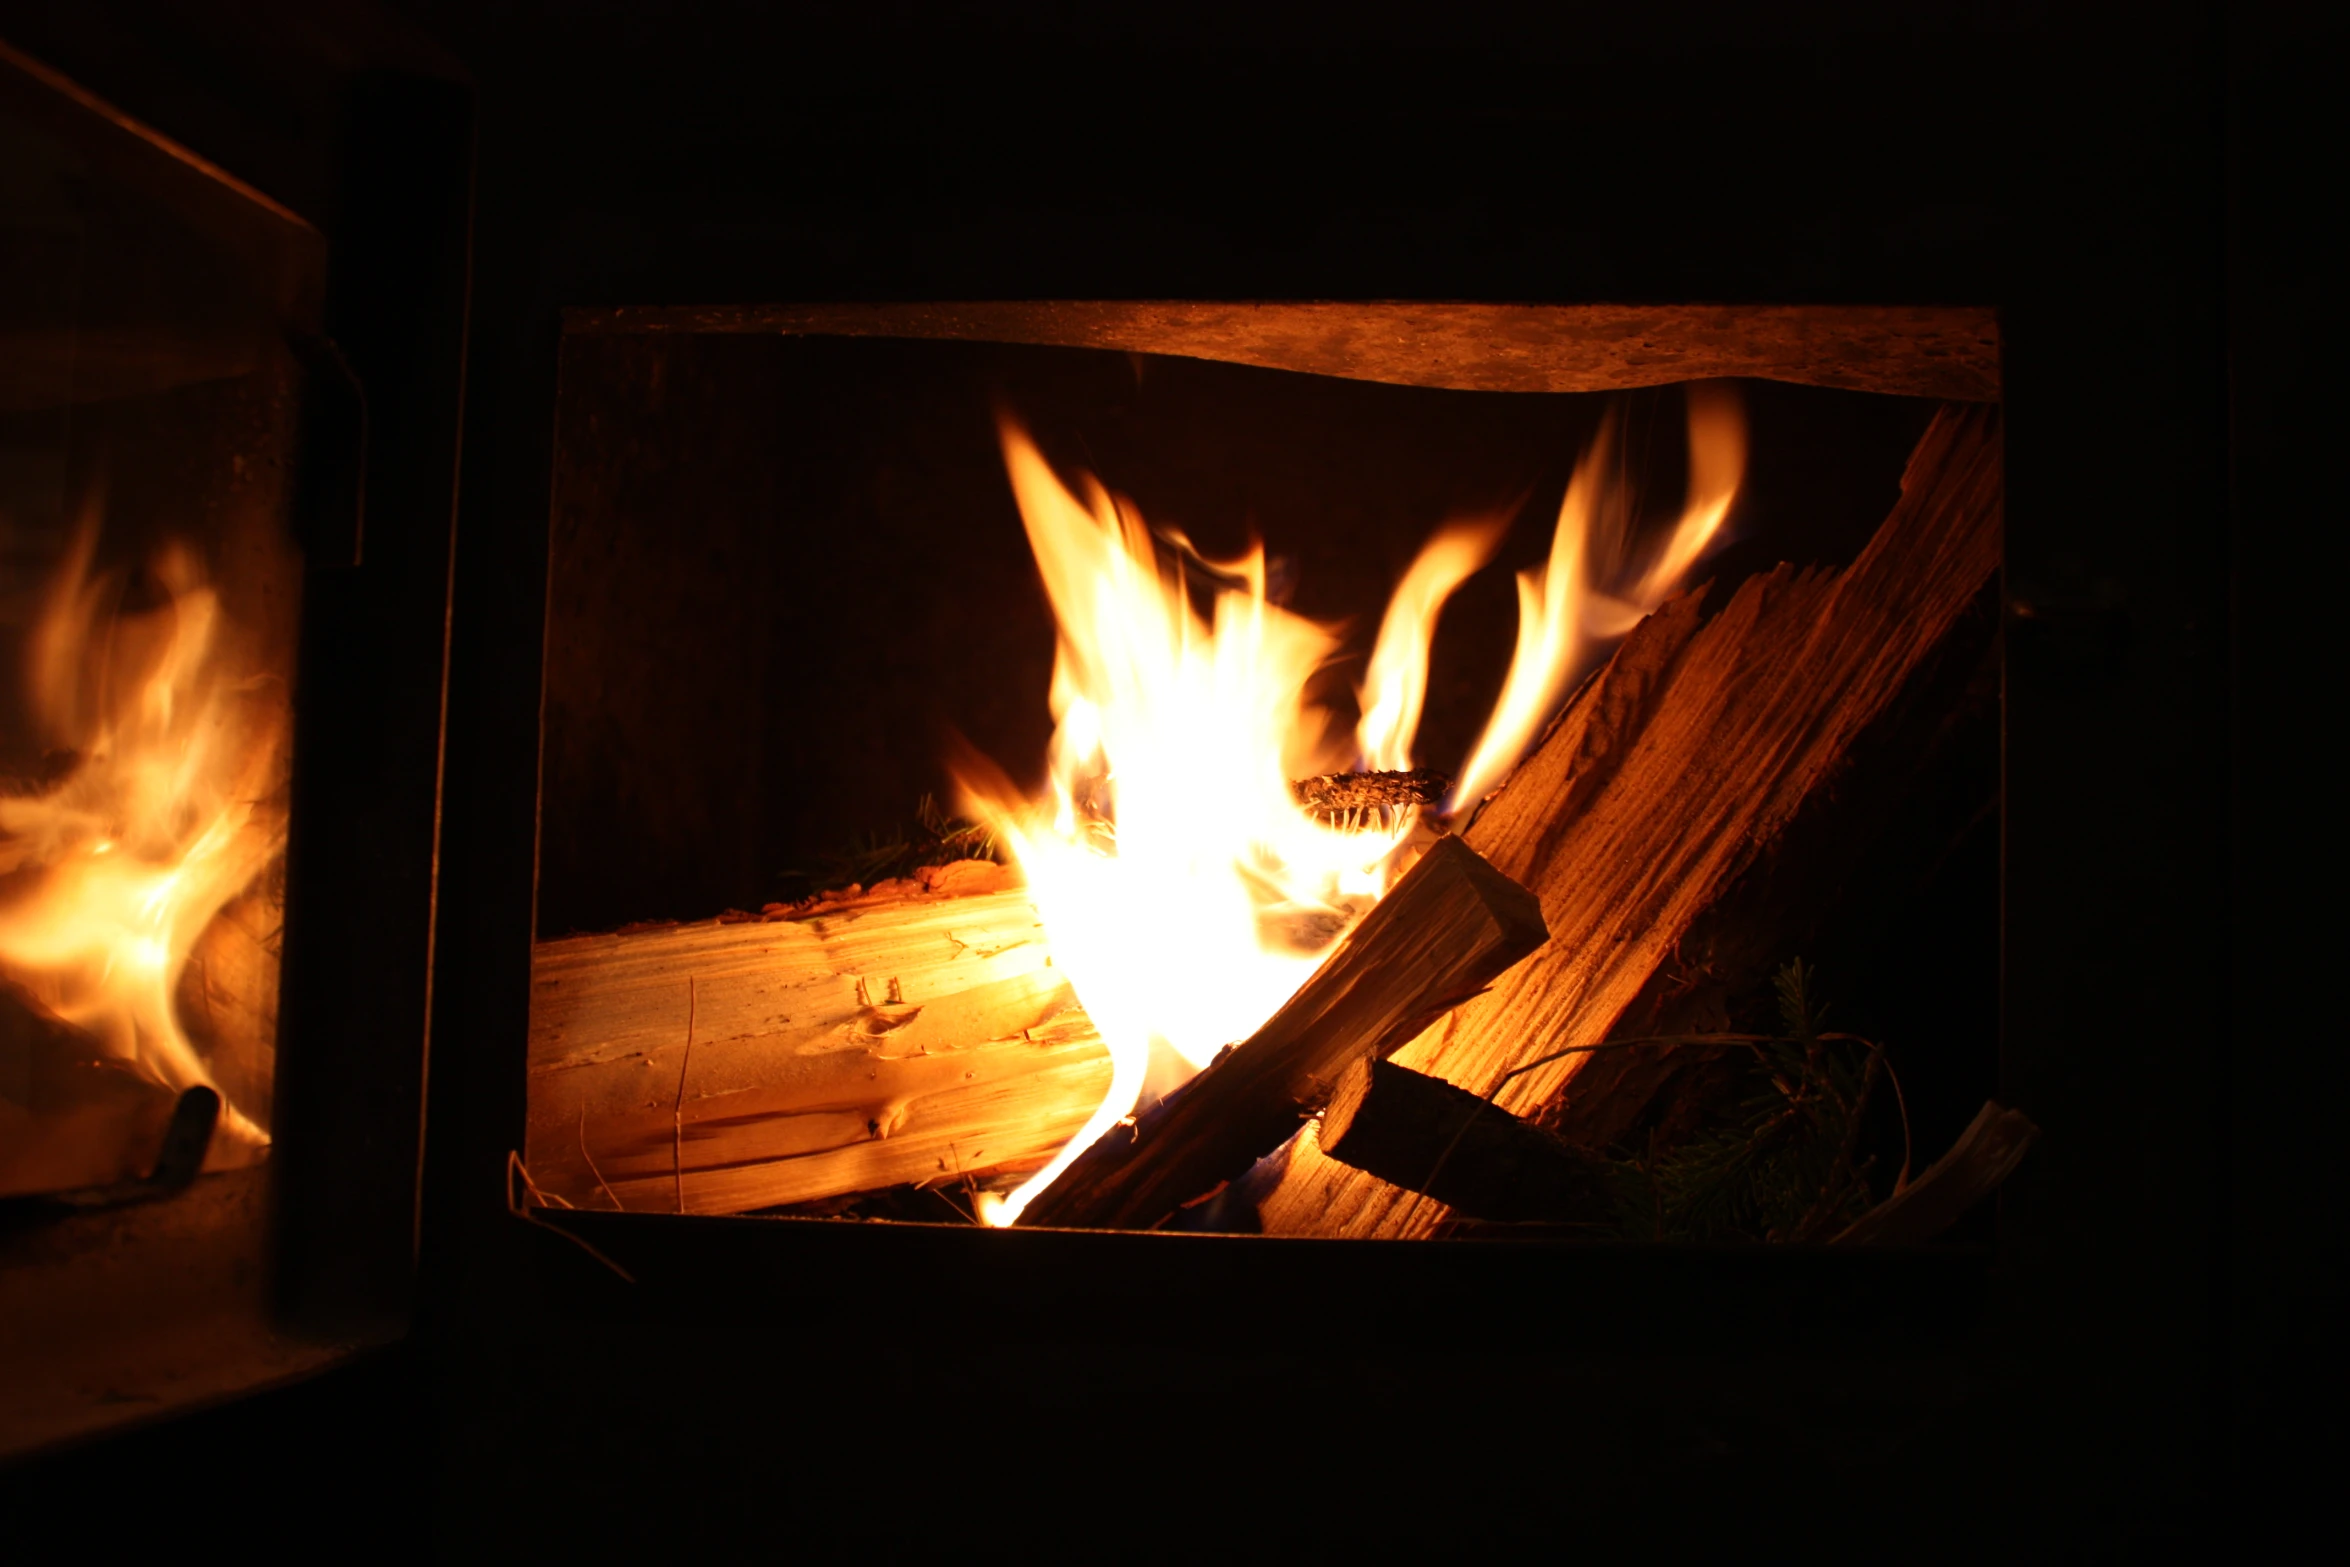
pixel 787 579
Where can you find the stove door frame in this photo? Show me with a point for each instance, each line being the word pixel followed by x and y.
pixel 252 1279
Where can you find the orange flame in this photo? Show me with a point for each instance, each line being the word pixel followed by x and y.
pixel 1396 683
pixel 1186 892
pixel 108 877
pixel 1563 617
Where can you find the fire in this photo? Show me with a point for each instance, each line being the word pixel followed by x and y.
pixel 1186 891
pixel 1563 618
pixel 109 874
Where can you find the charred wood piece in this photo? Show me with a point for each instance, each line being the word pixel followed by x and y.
pixel 1337 794
pixel 1425 1135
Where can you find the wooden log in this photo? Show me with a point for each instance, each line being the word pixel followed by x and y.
pixel 1910 350
pixel 911 1038
pixel 1906 792
pixel 1670 778
pixel 1985 1154
pixel 1423 1134
pixel 1443 932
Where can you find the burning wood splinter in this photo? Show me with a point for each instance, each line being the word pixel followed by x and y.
pixel 1444 932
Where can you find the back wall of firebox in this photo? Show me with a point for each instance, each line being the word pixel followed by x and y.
pixel 787 575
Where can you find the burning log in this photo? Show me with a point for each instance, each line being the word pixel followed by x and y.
pixel 1446 930
pixel 1423 1134
pixel 1661 793
pixel 729 1065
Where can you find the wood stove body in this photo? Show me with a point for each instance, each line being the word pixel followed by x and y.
pixel 257 361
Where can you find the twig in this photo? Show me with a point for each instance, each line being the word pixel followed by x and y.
pixel 1824 1207
pixel 1901 1102
pixel 1749 1041
pixel 677 1110
pixel 591 1162
pixel 515 1169
pixel 970 1186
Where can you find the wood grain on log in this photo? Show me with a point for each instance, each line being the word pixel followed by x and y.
pixel 1919 351
pixel 1669 776
pixel 1424 1134
pixel 1443 932
pixel 912 1039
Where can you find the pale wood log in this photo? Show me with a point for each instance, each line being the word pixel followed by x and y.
pixel 1443 932
pixel 1911 350
pixel 1672 774
pixel 908 1039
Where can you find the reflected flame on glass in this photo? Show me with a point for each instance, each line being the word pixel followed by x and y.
pixel 109 874
pixel 1186 892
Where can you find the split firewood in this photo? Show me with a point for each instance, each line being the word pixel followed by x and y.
pixel 1423 1134
pixel 1664 792
pixel 729 1065
pixel 1443 932
pixel 1426 1136
pixel 1985 1154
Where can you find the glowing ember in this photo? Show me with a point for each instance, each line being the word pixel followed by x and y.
pixel 1186 892
pixel 108 876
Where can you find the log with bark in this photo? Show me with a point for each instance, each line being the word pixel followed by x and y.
pixel 1682 781
pixel 722 1066
pixel 1447 928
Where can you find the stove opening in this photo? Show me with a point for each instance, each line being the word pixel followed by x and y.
pixel 1327 770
